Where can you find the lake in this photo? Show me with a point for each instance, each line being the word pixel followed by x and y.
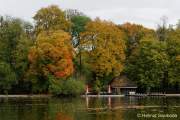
pixel 108 108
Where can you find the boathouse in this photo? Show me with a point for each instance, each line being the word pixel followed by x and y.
pixel 122 85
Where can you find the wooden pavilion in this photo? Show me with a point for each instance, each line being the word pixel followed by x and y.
pixel 122 85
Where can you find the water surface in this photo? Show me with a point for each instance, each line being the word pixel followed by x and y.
pixel 116 108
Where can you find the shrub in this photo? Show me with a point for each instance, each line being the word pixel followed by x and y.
pixel 67 87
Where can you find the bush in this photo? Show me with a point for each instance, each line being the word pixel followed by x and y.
pixel 67 87
pixel 7 77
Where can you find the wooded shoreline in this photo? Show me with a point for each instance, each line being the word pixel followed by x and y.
pixel 26 96
pixel 49 95
pixel 64 52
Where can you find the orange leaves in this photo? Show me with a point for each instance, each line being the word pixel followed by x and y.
pixel 32 54
pixel 67 71
pixel 52 54
pixel 60 74
pixel 66 68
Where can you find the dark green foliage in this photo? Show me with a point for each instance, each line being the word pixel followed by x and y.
pixel 14 44
pixel 79 21
pixel 173 50
pixel 148 66
pixel 78 26
pixel 7 77
pixel 66 87
pixel 97 86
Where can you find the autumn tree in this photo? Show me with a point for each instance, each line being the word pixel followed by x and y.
pixel 51 56
pixel 51 18
pixel 104 44
pixel 135 33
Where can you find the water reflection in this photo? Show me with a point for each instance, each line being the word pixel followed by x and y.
pixel 88 108
pixel 62 116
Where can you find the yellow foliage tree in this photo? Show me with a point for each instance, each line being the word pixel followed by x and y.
pixel 51 18
pixel 104 43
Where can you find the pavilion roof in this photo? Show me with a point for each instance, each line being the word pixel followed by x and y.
pixel 122 82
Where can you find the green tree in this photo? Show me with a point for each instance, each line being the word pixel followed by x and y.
pixel 79 22
pixel 14 45
pixel 147 67
pixel 7 77
pixel 173 50
pixel 78 26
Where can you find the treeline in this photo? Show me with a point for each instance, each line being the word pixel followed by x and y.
pixel 65 50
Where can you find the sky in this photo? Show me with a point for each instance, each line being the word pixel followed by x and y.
pixel 145 12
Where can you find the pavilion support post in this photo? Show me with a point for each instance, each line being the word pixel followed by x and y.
pixel 109 89
pixel 87 89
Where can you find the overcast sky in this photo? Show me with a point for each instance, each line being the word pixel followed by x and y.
pixel 146 12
